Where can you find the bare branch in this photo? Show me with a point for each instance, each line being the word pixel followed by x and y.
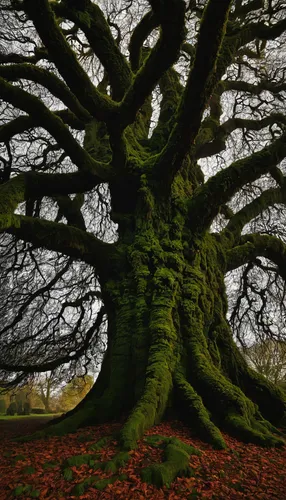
pixel 97 104
pixel 99 36
pixel 50 81
pixel 54 125
pixel 62 238
pixel 219 189
pixel 258 245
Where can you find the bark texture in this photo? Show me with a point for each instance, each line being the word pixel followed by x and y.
pixel 170 349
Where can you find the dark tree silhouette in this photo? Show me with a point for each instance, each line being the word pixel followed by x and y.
pixel 111 112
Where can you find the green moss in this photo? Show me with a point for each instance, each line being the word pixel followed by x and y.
pixel 101 443
pixel 50 465
pixel 253 431
pixel 196 412
pixel 119 460
pixel 29 470
pixel 99 484
pixel 80 488
pixel 78 460
pixel 155 440
pixel 35 493
pixel 162 441
pixel 85 438
pixel 165 298
pixel 20 490
pixel 68 474
pixel 175 463
pixel 19 458
pixel 11 194
pixel 25 490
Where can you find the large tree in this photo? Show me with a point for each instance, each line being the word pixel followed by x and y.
pixel 112 111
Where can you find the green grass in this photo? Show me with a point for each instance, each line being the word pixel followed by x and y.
pixel 34 415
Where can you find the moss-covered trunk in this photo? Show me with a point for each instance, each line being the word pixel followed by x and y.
pixel 169 344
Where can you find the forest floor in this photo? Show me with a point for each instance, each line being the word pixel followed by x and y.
pixel 41 469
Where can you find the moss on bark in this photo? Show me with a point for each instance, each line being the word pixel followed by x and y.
pixel 169 345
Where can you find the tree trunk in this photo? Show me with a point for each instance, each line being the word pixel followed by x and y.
pixel 169 345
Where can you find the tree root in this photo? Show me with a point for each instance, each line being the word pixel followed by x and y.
pixel 95 482
pixel 175 463
pixel 193 405
pixel 235 412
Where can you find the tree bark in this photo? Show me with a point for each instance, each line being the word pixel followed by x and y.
pixel 170 348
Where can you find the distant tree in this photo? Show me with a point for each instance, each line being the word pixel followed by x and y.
pixel 269 359
pixel 12 408
pixel 20 409
pixel 45 385
pixel 3 406
pixel 22 397
pixel 27 408
pixel 74 392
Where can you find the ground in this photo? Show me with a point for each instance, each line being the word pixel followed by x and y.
pixel 43 469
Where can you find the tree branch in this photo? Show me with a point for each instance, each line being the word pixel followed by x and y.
pixel 35 185
pixel 171 90
pixel 264 32
pixel 71 210
pixel 40 12
pixel 264 85
pixel 62 238
pixel 139 35
pixel 251 210
pixel 50 81
pixel 171 17
pixel 92 22
pixel 23 123
pixel 201 82
pixel 55 126
pixel 19 58
pixel 52 365
pixel 220 188
pixel 222 132
pixel 258 245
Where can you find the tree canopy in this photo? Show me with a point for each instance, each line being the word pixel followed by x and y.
pixel 143 160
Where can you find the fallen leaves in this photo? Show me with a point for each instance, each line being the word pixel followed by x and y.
pixel 36 469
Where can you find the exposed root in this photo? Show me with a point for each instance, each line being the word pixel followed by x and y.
pixel 151 406
pixel 252 430
pixel 237 414
pixel 175 463
pixel 142 417
pixel 95 482
pixel 269 397
pixel 193 405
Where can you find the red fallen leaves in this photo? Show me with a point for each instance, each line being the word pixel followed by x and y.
pixel 241 471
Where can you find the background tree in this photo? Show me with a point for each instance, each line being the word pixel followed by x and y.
pixel 12 409
pixel 73 392
pixel 45 387
pixel 143 153
pixel 18 400
pixel 3 405
pixel 269 359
